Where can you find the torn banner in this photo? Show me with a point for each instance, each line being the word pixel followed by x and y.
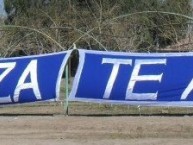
pixel 31 78
pixel 156 79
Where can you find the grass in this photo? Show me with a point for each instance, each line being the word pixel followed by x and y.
pixel 79 108
pixel 90 109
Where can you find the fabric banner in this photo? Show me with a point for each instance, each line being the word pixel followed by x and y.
pixel 151 79
pixel 31 78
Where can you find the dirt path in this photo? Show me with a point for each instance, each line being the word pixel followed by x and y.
pixel 71 130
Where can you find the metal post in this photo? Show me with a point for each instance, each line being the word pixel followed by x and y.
pixel 67 91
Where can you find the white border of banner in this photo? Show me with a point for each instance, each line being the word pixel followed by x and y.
pixel 82 53
pixel 62 67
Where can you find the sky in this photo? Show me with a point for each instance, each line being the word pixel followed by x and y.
pixel 2 11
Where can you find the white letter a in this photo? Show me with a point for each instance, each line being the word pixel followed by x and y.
pixel 187 91
pixel 30 70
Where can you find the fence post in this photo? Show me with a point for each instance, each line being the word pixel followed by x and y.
pixel 66 87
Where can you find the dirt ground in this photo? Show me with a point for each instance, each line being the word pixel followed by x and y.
pixel 94 124
pixel 57 129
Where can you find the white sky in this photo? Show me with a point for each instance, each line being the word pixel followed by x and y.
pixel 2 11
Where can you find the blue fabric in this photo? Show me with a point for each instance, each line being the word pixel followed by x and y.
pixel 93 75
pixel 49 68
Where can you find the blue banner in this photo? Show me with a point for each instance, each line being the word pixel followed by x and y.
pixel 31 78
pixel 151 79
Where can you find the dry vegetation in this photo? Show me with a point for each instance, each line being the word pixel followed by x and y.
pixel 47 26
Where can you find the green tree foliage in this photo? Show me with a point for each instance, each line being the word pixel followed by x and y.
pixel 160 29
pixel 121 25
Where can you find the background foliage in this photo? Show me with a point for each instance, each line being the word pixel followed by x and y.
pixel 42 26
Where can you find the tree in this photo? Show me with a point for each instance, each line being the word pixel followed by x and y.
pixel 122 25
